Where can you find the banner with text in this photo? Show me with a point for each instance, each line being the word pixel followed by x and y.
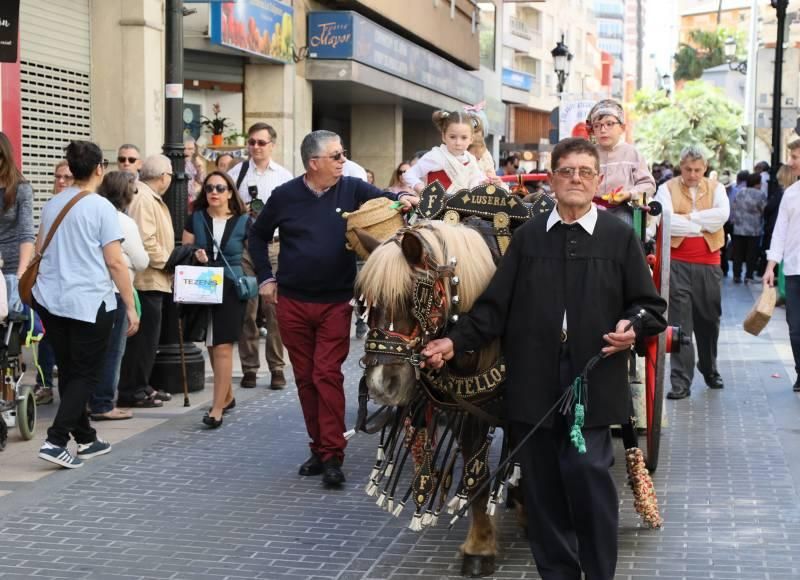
pixel 347 35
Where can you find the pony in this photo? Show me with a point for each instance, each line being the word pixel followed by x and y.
pixel 411 287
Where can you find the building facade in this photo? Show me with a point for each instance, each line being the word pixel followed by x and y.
pixel 610 15
pixel 530 32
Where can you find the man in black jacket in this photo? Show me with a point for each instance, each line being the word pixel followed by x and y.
pixel 568 287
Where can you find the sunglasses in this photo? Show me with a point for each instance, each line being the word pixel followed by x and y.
pixel 335 157
pixel 131 160
pixel 219 188
pixel 259 142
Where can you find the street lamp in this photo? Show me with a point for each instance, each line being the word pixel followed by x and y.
pixel 562 58
pixel 780 7
pixel 729 48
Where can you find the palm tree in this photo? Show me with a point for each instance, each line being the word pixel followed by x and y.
pixel 705 49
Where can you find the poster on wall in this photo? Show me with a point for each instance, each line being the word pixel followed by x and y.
pixel 572 115
pixel 260 27
pixel 9 30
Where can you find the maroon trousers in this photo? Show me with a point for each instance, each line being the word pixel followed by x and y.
pixel 317 337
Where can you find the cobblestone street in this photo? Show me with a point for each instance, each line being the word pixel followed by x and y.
pixel 178 501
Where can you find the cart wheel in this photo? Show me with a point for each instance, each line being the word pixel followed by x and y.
pixel 26 413
pixel 654 397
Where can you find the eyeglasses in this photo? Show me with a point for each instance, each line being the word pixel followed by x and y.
pixel 259 142
pixel 516 166
pixel 335 157
pixel 168 173
pixel 131 160
pixel 219 188
pixel 569 172
pixel 62 177
pixel 604 125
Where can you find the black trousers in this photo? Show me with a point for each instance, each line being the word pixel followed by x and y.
pixel 745 250
pixel 570 498
pixel 140 350
pixel 79 349
pixel 571 502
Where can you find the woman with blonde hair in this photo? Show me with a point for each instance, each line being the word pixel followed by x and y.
pixel 62 177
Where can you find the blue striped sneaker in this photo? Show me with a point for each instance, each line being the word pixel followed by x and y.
pixel 93 449
pixel 59 456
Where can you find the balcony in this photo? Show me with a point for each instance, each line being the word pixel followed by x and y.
pixel 519 27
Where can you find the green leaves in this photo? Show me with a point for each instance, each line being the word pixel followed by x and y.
pixel 699 115
pixel 705 49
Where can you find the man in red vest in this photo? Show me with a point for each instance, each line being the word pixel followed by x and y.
pixel 699 208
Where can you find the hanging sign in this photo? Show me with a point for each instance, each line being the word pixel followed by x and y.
pixel 9 30
pixel 259 27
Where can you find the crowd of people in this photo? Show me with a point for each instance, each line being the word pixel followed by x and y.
pixel 107 243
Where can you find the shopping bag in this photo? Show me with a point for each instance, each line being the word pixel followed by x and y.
pixel 198 285
pixel 759 315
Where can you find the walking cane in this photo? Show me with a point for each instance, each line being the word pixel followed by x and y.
pixel 183 359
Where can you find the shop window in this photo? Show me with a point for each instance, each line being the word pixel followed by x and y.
pixel 487 33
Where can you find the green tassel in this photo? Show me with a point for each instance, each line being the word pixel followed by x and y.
pixel 575 434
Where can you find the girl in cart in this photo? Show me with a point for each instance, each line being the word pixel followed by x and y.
pixel 625 174
pixel 450 163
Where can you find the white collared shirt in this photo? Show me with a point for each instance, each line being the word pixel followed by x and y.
pixel 353 169
pixel 266 181
pixel 587 221
pixel 706 220
pixel 785 244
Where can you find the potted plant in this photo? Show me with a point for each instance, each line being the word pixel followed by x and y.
pixel 236 139
pixel 217 125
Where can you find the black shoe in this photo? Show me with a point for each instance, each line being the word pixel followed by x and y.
pixel 676 394
pixel 211 421
pixel 312 466
pixel 737 280
pixel 332 476
pixel 714 381
pixel 796 387
pixel 228 407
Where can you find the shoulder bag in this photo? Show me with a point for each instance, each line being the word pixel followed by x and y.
pixel 28 279
pixel 246 286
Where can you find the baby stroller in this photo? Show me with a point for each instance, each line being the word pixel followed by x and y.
pixel 17 403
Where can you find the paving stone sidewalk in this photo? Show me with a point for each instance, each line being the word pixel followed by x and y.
pixel 182 502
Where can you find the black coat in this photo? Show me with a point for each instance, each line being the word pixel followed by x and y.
pixel 598 279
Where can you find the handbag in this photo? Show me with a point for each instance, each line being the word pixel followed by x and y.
pixel 246 286
pixel 760 314
pixel 28 279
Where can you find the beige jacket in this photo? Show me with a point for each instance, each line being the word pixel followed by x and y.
pixel 151 214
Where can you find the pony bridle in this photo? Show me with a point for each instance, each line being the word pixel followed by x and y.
pixel 430 311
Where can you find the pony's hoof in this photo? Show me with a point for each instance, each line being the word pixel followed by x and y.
pixel 477 566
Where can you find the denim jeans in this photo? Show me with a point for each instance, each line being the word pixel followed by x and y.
pixel 102 400
pixel 47 360
pixel 793 317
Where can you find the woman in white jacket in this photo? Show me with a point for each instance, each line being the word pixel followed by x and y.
pixel 118 187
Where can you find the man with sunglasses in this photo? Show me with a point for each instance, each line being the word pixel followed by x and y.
pixel 255 179
pixel 598 284
pixel 129 159
pixel 313 287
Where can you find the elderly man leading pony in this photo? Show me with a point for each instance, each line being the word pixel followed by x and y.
pixel 568 287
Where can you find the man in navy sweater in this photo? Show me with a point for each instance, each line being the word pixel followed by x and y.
pixel 315 283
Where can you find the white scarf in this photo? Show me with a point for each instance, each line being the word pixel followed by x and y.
pixel 462 176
